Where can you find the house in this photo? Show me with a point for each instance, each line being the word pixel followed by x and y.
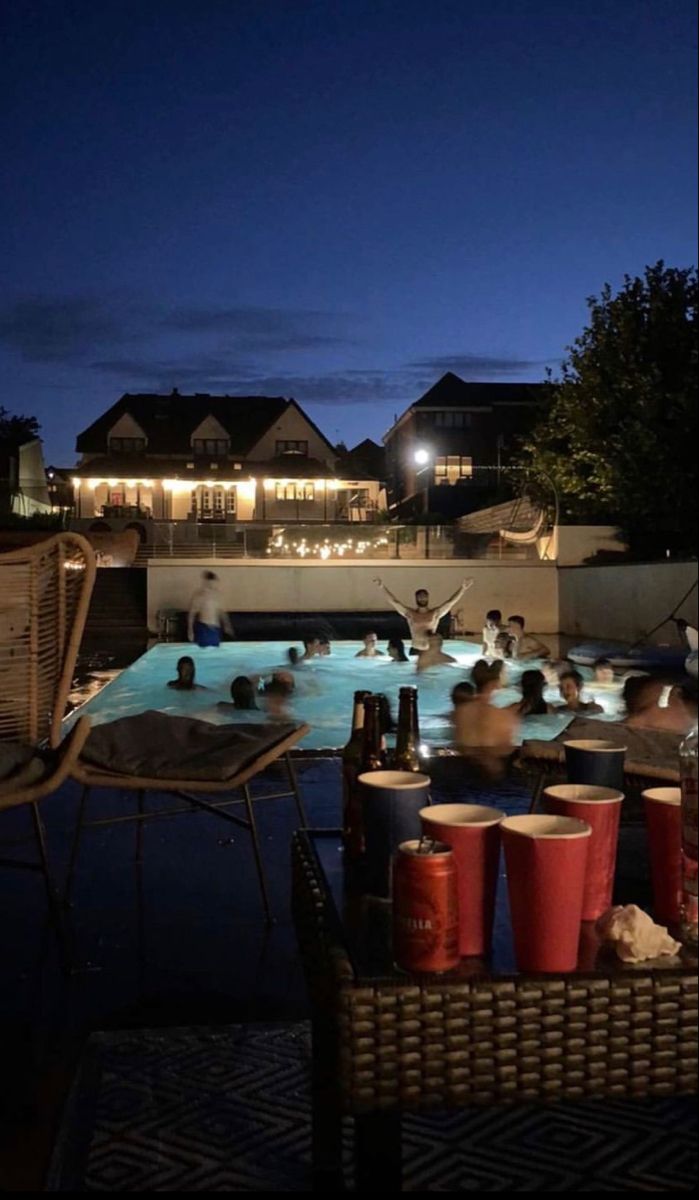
pixel 205 459
pixel 23 489
pixel 445 453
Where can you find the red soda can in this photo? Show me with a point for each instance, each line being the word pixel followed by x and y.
pixel 425 907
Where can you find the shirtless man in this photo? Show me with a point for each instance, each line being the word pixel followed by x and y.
pixel 206 616
pixel 370 647
pixel 479 724
pixel 422 619
pixel 433 656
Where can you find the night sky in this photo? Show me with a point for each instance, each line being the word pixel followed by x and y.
pixel 335 200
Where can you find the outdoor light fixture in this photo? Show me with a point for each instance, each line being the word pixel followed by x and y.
pixel 422 457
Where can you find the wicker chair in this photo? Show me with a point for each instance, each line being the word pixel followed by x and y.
pixel 45 591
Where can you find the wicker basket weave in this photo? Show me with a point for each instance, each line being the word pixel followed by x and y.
pixel 418 1045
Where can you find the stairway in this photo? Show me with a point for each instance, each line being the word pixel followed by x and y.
pixel 116 622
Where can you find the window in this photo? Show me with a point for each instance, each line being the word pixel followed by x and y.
pixel 295 491
pixel 218 447
pixel 452 420
pixel 127 445
pixel 453 469
pixel 230 502
pixel 292 448
pixel 218 501
pixel 116 498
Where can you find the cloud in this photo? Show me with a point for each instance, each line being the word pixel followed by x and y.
pixel 472 365
pixel 76 329
pixel 263 329
pixel 43 329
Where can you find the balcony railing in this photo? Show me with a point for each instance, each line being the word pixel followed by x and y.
pixel 322 543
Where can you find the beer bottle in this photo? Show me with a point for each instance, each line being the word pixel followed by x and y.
pixel 406 757
pixel 351 763
pixel 373 751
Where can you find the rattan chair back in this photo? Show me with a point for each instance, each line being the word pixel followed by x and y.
pixel 45 591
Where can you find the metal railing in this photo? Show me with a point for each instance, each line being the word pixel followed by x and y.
pixel 321 543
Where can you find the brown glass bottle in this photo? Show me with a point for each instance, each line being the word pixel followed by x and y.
pixel 406 756
pixel 351 765
pixel 373 752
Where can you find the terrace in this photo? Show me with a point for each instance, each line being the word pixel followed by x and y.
pixel 173 940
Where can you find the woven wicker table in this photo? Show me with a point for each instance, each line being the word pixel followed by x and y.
pixel 386 1043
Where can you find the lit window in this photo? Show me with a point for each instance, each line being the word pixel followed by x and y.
pixel 292 448
pixel 295 491
pixel 452 469
pixel 230 502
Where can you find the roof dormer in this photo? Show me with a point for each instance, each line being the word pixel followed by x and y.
pixel 126 436
pixel 210 439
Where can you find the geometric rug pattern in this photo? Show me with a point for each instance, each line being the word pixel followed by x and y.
pixel 227 1109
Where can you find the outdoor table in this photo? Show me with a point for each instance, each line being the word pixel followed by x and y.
pixel 387 1043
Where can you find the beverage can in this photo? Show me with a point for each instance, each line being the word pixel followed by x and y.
pixel 425 907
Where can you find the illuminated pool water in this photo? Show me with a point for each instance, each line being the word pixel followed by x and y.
pixel 324 688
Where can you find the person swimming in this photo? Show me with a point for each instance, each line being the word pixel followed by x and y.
pixel 433 655
pixel 370 647
pixel 276 693
pixel 186 676
pixel 243 693
pixel 570 687
pixel 395 650
pixel 532 703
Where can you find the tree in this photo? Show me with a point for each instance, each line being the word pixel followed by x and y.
pixel 15 429
pixel 619 429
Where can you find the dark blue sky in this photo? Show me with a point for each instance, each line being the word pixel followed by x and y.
pixel 331 200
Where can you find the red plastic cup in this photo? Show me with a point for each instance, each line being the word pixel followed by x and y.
pixel 601 808
pixel 473 832
pixel 546 859
pixel 664 825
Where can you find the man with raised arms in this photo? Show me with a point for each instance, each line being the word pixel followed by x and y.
pixel 422 619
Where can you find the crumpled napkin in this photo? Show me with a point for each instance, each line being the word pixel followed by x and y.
pixel 635 934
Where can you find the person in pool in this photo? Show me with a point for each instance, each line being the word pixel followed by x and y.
pixel 276 694
pixel 521 644
pixel 570 686
pixel 186 672
pixel 395 650
pixel 370 647
pixel 433 655
pixel 532 703
pixel 423 619
pixel 492 628
pixel 603 671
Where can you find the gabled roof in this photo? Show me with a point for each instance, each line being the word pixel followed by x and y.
pixel 366 460
pixel 169 421
pixel 452 392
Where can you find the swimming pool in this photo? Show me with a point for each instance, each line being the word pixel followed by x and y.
pixel 324 688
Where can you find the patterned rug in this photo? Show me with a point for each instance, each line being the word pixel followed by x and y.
pixel 227 1110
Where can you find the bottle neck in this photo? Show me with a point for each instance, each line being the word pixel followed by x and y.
pixel 371 746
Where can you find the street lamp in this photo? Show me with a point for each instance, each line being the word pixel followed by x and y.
pixel 422 457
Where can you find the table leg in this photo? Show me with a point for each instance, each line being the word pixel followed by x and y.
pixel 377 1152
pixel 327 1114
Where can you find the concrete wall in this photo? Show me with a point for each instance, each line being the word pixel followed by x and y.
pixel 572 544
pixel 349 587
pixel 624 602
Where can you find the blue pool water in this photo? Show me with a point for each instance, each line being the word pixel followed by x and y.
pixel 324 688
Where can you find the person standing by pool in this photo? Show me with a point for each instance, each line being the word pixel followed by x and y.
pixel 423 620
pixel 206 616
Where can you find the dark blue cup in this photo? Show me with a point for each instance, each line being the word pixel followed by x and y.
pixel 391 804
pixel 595 762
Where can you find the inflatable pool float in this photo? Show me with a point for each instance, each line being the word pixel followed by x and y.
pixel 641 658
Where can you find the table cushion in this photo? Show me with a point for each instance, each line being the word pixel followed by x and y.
pixel 157 745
